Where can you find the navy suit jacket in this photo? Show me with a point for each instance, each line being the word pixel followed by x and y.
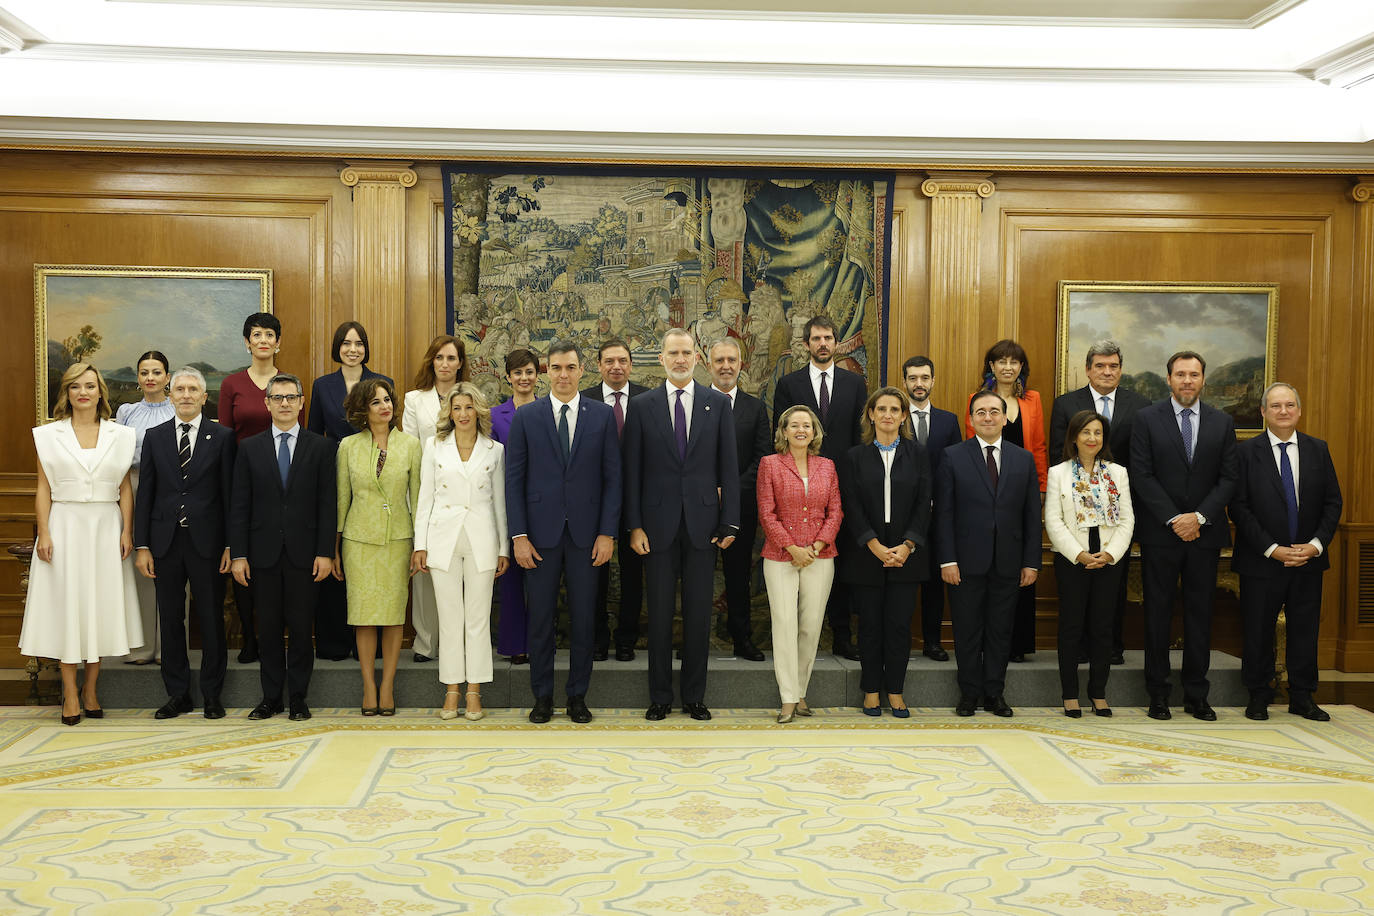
pixel 205 491
pixel 847 397
pixel 1125 406
pixel 987 532
pixel 267 520
pixel 945 430
pixel 1260 509
pixel 543 493
pixel 326 404
pixel 662 489
pixel 1164 484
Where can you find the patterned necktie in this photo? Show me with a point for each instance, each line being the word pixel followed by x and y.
pixel 922 426
pixel 184 451
pixel 992 465
pixel 1187 424
pixel 564 436
pixel 824 400
pixel 1290 491
pixel 619 413
pixel 284 458
pixel 1106 406
pixel 680 426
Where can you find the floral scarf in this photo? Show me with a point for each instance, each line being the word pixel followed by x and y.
pixel 1095 496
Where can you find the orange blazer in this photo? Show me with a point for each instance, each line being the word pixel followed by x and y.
pixel 1032 429
pixel 789 514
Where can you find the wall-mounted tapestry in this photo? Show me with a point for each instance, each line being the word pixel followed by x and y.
pixel 551 252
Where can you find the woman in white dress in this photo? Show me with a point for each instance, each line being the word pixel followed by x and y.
pixel 82 601
pixel 154 409
pixel 445 365
pixel 460 539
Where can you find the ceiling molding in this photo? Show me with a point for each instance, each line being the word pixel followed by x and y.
pixel 1273 11
pixel 874 152
pixel 15 34
pixel 1346 67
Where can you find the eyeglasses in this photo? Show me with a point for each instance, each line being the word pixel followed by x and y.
pixel 988 413
pixel 280 399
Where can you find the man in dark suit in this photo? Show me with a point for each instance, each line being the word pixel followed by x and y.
pixel 1183 473
pixel 837 396
pixel 563 493
pixel 1119 406
pixel 1286 508
pixel 281 537
pixel 181 526
pixel 753 440
pixel 937 430
pixel 988 542
pixel 681 502
pixel 615 391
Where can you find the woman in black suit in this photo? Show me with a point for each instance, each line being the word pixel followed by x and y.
pixel 885 486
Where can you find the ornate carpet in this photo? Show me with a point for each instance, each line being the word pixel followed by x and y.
pixel 838 814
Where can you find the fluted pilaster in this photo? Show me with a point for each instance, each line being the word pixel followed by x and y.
pixel 956 200
pixel 379 258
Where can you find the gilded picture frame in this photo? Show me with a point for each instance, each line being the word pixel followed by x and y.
pixel 1232 325
pixel 109 315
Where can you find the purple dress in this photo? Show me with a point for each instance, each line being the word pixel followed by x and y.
pixel 511 638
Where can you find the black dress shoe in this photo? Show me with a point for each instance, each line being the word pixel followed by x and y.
pixel 1104 711
pixel 697 711
pixel 1308 710
pixel 845 650
pixel 542 711
pixel 998 707
pixel 1119 658
pixel 1018 658
pixel 299 711
pixel 1199 709
pixel 1159 709
pixel 265 710
pixel 748 651
pixel 248 654
pixel 71 720
pixel 173 707
pixel 1083 656
pixel 521 659
pixel 624 653
pixel 1258 707
pixel 578 711
pixel 657 712
pixel 423 658
pixel 214 709
pixel 967 706
pixel 600 655
pixel 935 653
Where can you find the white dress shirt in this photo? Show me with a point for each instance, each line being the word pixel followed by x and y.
pixel 572 414
pixel 608 396
pixel 191 435
pixel 293 436
pixel 1099 395
pixel 829 372
pixel 1293 462
pixel 688 392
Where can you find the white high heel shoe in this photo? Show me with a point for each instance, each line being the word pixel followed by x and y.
pixel 470 713
pixel 447 714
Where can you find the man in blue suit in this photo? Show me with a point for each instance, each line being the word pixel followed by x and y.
pixel 988 521
pixel 681 502
pixel 937 430
pixel 563 507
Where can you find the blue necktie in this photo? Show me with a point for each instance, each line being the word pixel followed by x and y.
pixel 1106 407
pixel 680 426
pixel 1290 491
pixel 563 435
pixel 1187 424
pixel 284 459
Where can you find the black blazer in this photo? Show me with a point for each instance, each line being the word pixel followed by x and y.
pixel 632 389
pixel 204 492
pixel 945 430
pixel 327 395
pixel 986 532
pixel 663 489
pixel 267 521
pixel 753 440
pixel 1126 405
pixel 861 495
pixel 847 399
pixel 1164 484
pixel 1260 510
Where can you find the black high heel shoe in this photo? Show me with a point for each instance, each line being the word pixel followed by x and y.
pixel 1073 713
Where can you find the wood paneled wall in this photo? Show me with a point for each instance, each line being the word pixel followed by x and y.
pixel 977 256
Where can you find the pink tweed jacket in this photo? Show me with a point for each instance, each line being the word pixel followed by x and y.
pixel 789 515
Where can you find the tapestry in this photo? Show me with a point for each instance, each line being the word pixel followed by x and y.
pixel 550 253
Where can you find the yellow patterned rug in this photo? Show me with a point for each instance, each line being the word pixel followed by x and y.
pixel 837 814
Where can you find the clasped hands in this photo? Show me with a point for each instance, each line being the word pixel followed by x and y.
pixel 803 557
pixel 1094 560
pixel 890 556
pixel 1296 555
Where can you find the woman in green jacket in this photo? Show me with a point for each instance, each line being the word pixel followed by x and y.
pixel 379 480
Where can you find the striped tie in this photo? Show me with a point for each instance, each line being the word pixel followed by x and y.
pixel 184 451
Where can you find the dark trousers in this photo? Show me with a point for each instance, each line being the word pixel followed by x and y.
pixel 1298 592
pixel 884 633
pixel 243 606
pixel 1023 622
pixel 285 597
pixel 512 632
pixel 562 561
pixel 932 604
pixel 737 565
pixel 175 569
pixel 837 611
pixel 1087 605
pixel 697 568
pixel 1163 568
pixel 631 599
pixel 982 608
pixel 333 636
pixel 1119 610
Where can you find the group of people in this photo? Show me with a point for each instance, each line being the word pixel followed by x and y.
pixel 342 522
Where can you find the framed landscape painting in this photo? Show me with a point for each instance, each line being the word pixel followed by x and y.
pixel 1231 324
pixel 110 315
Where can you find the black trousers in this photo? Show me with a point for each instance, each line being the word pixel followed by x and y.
pixel 285 597
pixel 333 636
pixel 1087 606
pixel 737 565
pixel 564 561
pixel 982 608
pixel 631 598
pixel 884 633
pixel 1023 622
pixel 1164 567
pixel 243 606
pixel 932 604
pixel 1298 592
pixel 1119 613
pixel 662 567
pixel 180 566
pixel 837 611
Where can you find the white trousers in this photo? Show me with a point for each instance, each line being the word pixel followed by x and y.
pixel 462 598
pixel 796 598
pixel 422 614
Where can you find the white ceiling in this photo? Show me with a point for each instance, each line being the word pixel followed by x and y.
pixel 1228 83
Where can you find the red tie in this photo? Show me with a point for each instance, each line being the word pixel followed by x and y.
pixel 619 415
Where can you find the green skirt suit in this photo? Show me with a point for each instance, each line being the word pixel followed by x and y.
pixel 376 502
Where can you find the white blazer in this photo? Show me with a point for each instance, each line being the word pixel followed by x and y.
pixel 1061 514
pixel 421 415
pixel 77 475
pixel 457 496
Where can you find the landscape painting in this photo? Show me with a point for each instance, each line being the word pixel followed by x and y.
pixel 110 315
pixel 1231 324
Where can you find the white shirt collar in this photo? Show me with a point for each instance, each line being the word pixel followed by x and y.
pixel 816 373
pixel 1275 441
pixel 983 446
pixel 194 421
pixel 294 432
pixel 607 392
pixel 557 404
pixel 1099 395
pixel 729 394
